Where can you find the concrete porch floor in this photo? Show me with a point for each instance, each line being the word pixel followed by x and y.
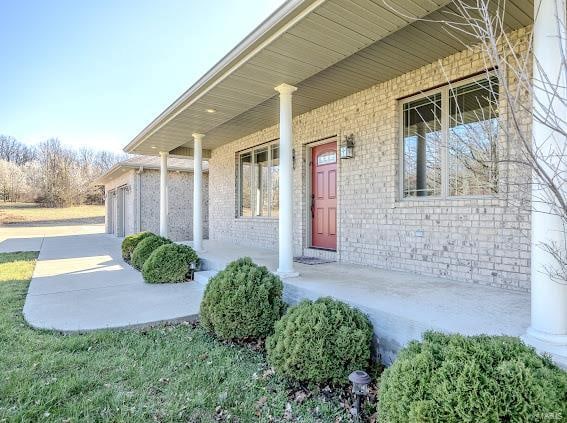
pixel 400 305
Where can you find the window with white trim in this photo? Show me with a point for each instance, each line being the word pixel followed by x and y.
pixel 450 141
pixel 258 181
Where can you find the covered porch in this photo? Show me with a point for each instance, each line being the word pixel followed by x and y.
pixel 400 305
pixel 286 69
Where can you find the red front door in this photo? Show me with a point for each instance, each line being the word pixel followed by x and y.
pixel 324 196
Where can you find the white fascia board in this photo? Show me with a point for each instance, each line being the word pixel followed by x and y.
pixel 275 25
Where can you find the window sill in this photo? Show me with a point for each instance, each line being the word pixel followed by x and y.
pixel 257 218
pixel 493 200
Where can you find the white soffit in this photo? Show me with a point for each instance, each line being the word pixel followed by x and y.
pixel 329 49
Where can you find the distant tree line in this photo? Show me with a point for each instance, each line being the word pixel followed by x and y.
pixel 50 173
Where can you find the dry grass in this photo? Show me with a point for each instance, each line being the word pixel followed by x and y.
pixel 30 213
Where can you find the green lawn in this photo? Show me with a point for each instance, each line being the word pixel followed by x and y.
pixel 170 373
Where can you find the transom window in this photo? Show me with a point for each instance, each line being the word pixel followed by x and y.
pixel 327 158
pixel 450 139
pixel 258 181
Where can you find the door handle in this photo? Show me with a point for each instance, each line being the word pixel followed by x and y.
pixel 312 206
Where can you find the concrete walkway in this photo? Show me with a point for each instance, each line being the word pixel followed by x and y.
pixel 81 283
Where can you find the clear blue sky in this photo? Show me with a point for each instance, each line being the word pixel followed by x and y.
pixel 96 72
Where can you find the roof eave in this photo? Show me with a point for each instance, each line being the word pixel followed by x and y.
pixel 110 174
pixel 288 13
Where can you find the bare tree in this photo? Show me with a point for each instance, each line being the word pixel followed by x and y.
pixel 53 177
pixel 51 173
pixel 13 151
pixel 92 164
pixel 13 185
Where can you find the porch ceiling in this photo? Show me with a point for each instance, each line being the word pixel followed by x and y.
pixel 327 48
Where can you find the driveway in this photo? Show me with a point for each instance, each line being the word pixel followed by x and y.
pixel 81 283
pixel 28 237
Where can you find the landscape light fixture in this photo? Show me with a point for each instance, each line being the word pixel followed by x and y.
pixel 360 381
pixel 347 147
pixel 192 268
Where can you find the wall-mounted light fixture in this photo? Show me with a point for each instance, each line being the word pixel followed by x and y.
pixel 347 147
pixel 293 157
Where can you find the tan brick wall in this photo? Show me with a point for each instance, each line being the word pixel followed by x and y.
pixel 180 213
pixel 180 223
pixel 481 240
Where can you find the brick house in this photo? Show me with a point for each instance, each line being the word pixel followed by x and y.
pixel 337 129
pixel 131 203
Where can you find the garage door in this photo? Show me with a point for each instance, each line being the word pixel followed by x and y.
pixel 121 211
pixel 111 211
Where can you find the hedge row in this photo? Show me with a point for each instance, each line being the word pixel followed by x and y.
pixel 159 259
pixel 454 378
pixel 130 242
pixel 321 341
pixel 443 378
pixel 243 301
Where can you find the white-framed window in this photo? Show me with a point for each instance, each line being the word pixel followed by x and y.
pixel 450 140
pixel 258 181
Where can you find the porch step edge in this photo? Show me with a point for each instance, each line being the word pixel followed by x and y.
pixel 212 264
pixel 202 277
pixel 320 254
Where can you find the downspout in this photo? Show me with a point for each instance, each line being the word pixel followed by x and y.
pixel 139 199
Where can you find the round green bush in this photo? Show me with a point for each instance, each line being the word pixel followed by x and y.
pixel 130 242
pixel 146 247
pixel 242 301
pixel 454 378
pixel 321 341
pixel 169 263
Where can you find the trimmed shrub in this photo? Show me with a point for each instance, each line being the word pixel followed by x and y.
pixel 242 301
pixel 130 242
pixel 146 247
pixel 454 378
pixel 320 342
pixel 169 263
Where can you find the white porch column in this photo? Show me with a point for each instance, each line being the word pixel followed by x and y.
pixel 548 330
pixel 198 192
pixel 285 265
pixel 163 193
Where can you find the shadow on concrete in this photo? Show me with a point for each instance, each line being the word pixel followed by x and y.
pixel 96 220
pixel 12 245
